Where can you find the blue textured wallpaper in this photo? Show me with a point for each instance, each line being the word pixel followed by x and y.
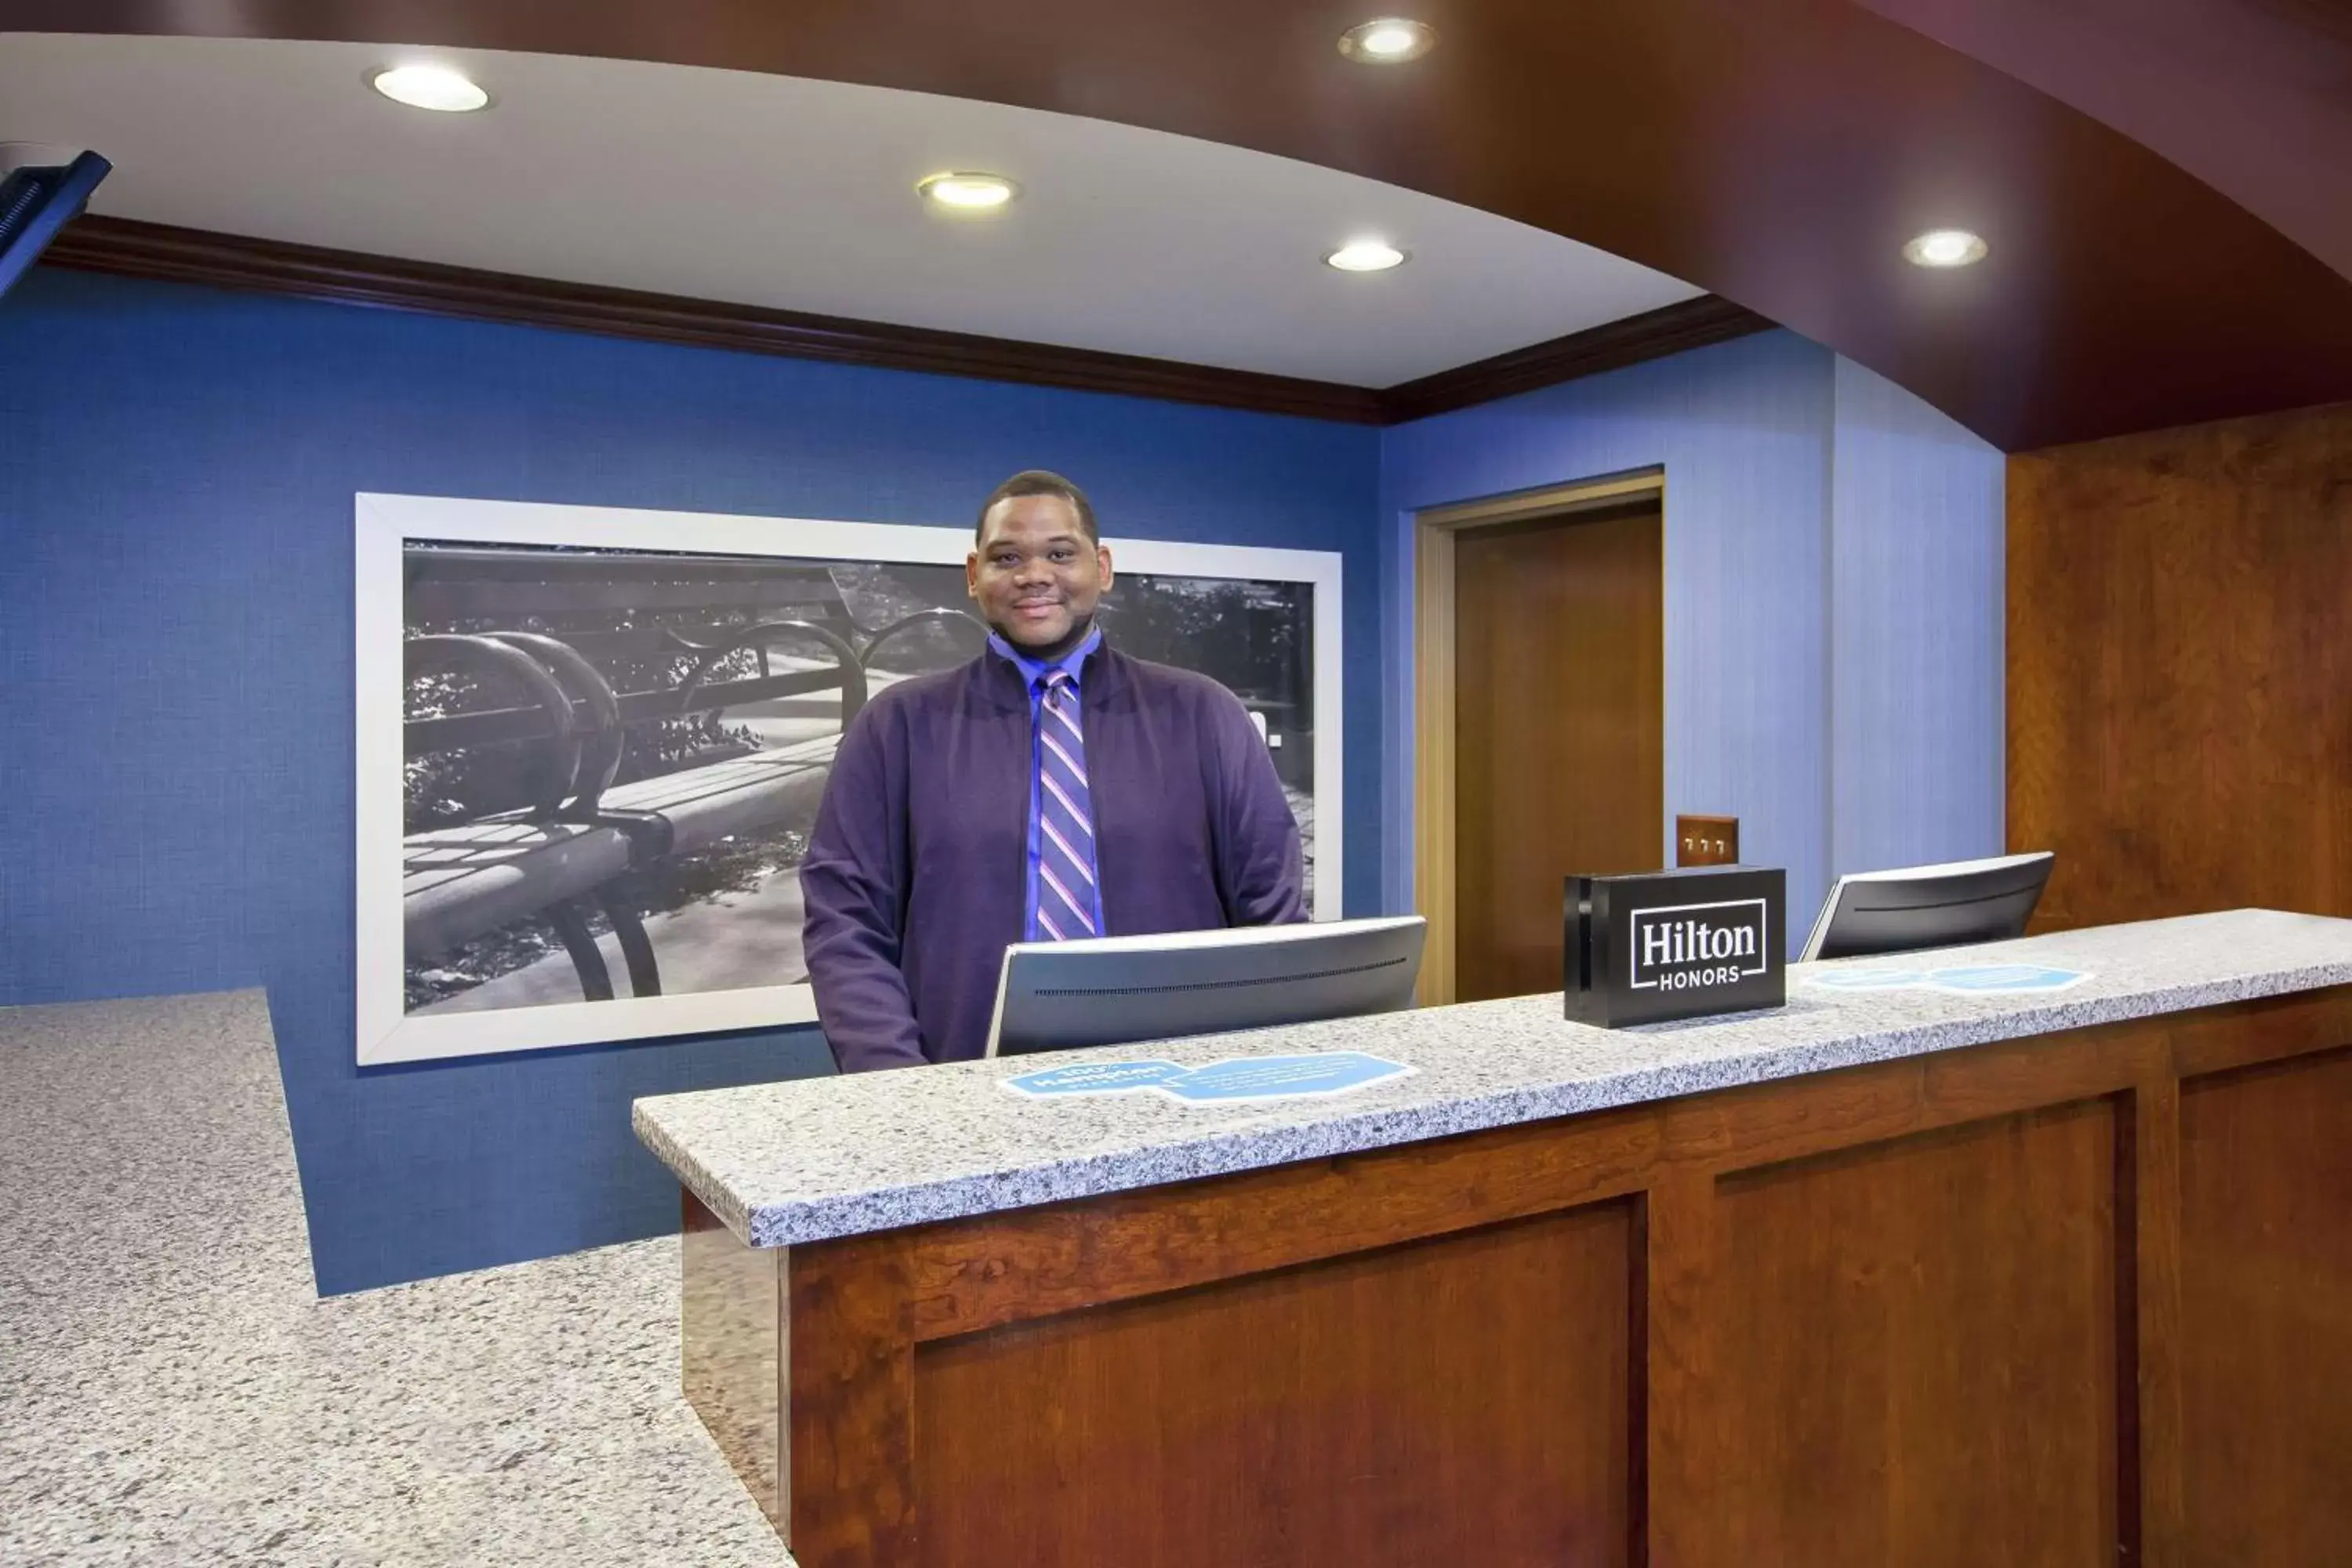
pixel 1743 431
pixel 175 650
pixel 1833 598
pixel 1917 599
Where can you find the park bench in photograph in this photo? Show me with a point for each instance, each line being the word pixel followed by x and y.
pixel 726 633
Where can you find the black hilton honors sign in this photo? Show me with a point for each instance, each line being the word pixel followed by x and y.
pixel 1676 944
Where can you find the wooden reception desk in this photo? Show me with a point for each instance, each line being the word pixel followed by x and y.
pixel 1892 1278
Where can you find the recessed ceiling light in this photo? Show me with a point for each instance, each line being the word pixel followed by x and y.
pixel 430 87
pixel 1387 40
pixel 1943 247
pixel 968 192
pixel 1365 256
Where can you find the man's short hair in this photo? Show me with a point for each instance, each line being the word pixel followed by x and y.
pixel 1039 482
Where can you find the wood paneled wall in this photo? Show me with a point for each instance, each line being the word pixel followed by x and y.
pixel 2180 668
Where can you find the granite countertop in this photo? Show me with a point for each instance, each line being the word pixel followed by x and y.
pixel 805 1161
pixel 173 1390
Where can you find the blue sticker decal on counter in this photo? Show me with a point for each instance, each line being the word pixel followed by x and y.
pixel 1282 1078
pixel 1095 1077
pixel 2007 977
pixel 1964 980
pixel 1868 979
pixel 1237 1081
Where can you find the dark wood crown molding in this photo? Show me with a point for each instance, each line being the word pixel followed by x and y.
pixel 132 248
pixel 1613 345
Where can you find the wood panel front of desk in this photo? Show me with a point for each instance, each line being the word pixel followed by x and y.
pixel 2083 1299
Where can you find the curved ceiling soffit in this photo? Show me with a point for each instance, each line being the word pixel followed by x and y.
pixel 2254 97
pixel 1776 151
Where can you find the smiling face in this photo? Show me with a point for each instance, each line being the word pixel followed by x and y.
pixel 1035 574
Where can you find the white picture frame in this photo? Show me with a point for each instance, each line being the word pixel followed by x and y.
pixel 384 524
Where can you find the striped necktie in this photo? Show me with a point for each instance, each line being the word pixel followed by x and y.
pixel 1065 818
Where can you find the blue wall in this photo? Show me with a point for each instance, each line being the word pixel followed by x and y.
pixel 1918 595
pixel 1743 431
pixel 1834 615
pixel 175 650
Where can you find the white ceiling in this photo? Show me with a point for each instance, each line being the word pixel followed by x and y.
pixel 799 194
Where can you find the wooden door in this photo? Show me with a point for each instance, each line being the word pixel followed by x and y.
pixel 1560 730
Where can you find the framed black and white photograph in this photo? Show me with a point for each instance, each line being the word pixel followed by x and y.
pixel 591 743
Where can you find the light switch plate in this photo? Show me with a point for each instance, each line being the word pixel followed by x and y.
pixel 1702 840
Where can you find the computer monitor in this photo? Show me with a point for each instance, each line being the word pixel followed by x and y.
pixel 1111 991
pixel 1928 906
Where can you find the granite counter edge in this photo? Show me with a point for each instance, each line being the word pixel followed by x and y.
pixel 697 1178
pixel 830 1216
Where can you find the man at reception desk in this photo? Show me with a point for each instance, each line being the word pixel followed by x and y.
pixel 1051 789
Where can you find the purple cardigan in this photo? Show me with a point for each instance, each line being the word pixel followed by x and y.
pixel 915 870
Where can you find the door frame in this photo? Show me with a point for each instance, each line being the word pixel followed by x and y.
pixel 1434 530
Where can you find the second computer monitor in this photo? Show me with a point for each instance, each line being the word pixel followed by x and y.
pixel 1920 907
